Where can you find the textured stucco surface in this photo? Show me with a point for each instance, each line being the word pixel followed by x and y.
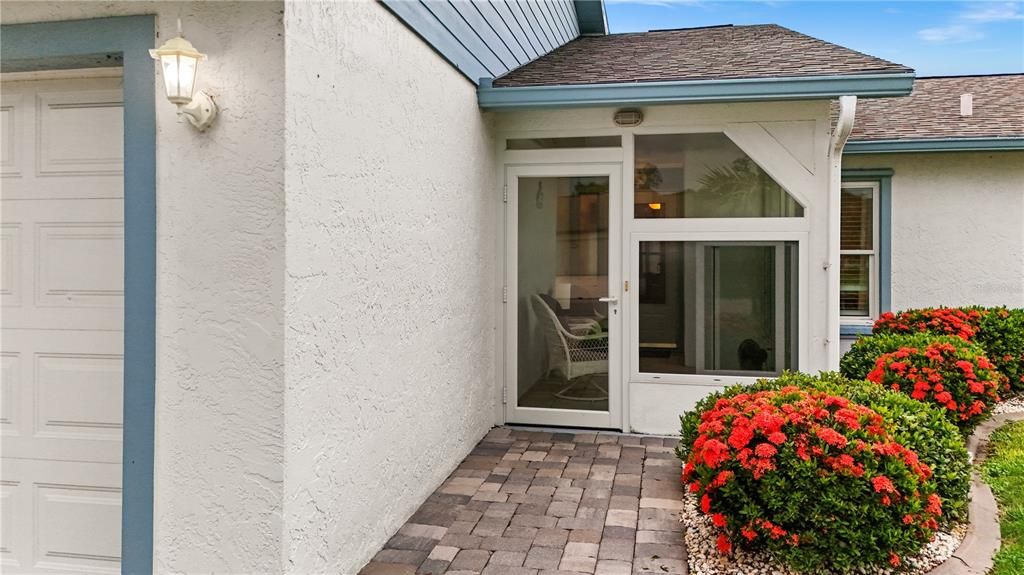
pixel 390 297
pixel 220 276
pixel 958 227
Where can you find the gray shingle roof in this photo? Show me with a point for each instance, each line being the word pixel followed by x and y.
pixel 723 52
pixel 932 110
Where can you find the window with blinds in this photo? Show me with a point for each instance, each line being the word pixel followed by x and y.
pixel 858 245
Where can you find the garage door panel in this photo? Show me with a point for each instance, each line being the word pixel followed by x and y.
pixel 78 396
pixel 14 120
pixel 80 133
pixel 66 264
pixel 62 139
pixel 80 264
pixel 10 382
pixel 11 278
pixel 65 397
pixel 61 516
pixel 62 292
pixel 12 505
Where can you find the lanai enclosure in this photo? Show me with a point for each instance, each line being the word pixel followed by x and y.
pixel 406 226
pixel 671 217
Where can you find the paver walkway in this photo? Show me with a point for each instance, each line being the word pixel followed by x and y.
pixel 542 503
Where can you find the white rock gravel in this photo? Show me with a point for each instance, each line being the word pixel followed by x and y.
pixel 1012 405
pixel 704 558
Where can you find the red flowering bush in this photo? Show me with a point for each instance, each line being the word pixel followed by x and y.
pixel 998 330
pixel 941 370
pixel 962 323
pixel 814 478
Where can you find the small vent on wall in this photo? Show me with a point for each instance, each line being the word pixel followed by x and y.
pixel 628 118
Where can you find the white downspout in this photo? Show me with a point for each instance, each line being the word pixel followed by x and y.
pixel 844 125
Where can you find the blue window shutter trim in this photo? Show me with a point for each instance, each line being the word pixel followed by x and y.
pixel 37 47
pixel 884 178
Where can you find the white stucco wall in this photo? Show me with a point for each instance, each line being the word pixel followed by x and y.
pixel 390 291
pixel 220 271
pixel 958 227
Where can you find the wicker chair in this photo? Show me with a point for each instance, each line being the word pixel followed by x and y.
pixel 572 355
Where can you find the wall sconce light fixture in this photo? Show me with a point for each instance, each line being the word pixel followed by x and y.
pixel 179 61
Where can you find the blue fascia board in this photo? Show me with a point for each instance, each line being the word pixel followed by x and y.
pixel 591 17
pixel 933 145
pixel 733 90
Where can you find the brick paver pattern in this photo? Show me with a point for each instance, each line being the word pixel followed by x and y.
pixel 542 503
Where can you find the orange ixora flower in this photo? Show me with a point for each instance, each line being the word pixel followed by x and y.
pixel 768 440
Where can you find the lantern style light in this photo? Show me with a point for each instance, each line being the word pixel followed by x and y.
pixel 179 62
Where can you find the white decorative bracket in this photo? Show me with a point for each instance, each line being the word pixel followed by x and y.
pixel 200 112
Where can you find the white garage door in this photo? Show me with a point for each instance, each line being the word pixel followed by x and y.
pixel 62 293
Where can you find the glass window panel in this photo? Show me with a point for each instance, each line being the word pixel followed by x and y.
pixel 703 176
pixel 718 307
pixel 563 337
pixel 554 143
pixel 857 219
pixel 854 285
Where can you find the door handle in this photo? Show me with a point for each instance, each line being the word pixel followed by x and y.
pixel 609 299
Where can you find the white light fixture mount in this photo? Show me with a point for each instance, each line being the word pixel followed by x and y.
pixel 179 61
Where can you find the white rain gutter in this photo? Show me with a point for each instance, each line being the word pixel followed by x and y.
pixel 844 125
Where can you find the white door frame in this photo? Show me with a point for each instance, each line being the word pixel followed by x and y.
pixel 612 418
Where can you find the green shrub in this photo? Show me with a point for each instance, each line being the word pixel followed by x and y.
pixel 1000 333
pixel 917 426
pixel 815 479
pixel 998 330
pixel 858 362
pixel 943 370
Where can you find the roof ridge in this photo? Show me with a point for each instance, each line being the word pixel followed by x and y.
pixel 691 28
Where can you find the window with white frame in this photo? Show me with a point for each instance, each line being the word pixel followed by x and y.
pixel 858 251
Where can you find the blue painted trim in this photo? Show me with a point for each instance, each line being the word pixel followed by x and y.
pixel 591 17
pixel 884 178
pixel 853 330
pixel 735 90
pixel 933 145
pixel 423 23
pixel 132 37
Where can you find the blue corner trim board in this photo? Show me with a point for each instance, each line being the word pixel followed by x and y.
pixel 38 46
pixel 853 330
pixel 884 178
pixel 736 90
pixel 933 145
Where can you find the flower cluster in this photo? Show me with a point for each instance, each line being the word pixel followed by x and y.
pixel 950 375
pixel 962 323
pixel 998 330
pixel 814 478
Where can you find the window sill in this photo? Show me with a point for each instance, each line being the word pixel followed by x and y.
pixel 854 329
